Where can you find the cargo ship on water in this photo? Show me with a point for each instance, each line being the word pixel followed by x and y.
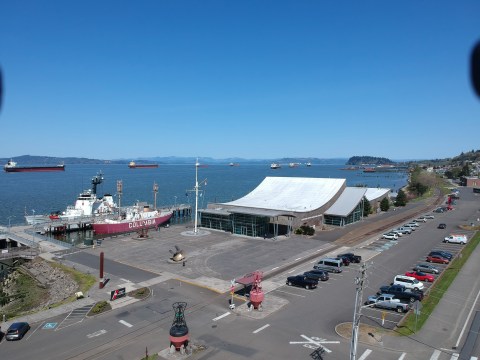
pixel 133 165
pixel 11 166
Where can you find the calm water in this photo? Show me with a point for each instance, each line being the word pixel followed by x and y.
pixel 47 192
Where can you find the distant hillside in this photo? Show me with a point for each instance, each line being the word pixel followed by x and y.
pixel 24 160
pixel 371 160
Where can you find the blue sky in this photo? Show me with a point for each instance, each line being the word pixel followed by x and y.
pixel 250 79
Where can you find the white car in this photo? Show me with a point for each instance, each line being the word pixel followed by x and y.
pixel 429 216
pixel 397 232
pixel 420 219
pixel 390 236
pixel 412 225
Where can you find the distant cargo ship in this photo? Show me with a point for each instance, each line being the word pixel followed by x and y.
pixel 133 165
pixel 11 166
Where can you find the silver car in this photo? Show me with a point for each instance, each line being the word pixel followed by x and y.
pixel 427 268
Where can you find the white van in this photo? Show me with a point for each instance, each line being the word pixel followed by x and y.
pixel 330 265
pixel 456 239
pixel 408 281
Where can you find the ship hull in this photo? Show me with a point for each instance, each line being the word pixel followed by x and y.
pixel 35 168
pixel 146 166
pixel 129 226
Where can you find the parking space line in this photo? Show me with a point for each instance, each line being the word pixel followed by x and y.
pixel 275 268
pixel 435 355
pixel 286 292
pixel 261 328
pixel 402 356
pixel 365 354
pixel 221 316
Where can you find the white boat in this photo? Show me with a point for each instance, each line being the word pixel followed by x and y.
pixel 308 164
pixel 87 203
pixel 275 166
pixel 292 165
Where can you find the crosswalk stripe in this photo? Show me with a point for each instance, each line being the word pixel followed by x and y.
pixel 454 356
pixel 365 354
pixel 435 355
pixel 402 356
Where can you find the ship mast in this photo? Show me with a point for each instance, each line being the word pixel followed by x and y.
pixel 197 186
pixel 119 192
pixel 96 180
pixel 155 191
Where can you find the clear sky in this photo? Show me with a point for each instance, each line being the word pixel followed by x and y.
pixel 251 79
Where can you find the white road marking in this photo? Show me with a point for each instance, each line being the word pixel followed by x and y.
pixel 276 267
pixel 96 333
pixel 474 358
pixel 125 323
pixel 315 341
pixel 291 271
pixel 289 293
pixel 454 356
pixel 435 355
pixel 125 280
pixel 365 354
pixel 221 316
pixel 297 258
pixel 402 356
pixel 262 328
pixel 467 320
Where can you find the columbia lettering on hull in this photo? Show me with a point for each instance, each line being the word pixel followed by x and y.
pixel 133 221
pixel 11 166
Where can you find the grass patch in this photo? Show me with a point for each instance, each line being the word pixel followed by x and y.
pixel 150 357
pixel 141 293
pixel 99 308
pixel 438 289
pixel 28 295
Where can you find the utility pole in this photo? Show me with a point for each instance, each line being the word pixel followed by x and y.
pixel 360 282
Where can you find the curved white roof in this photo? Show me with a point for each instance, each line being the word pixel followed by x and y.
pixel 347 202
pixel 375 193
pixel 291 193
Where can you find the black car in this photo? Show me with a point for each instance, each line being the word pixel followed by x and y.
pixel 444 254
pixel 17 330
pixel 442 226
pixel 302 281
pixel 317 274
pixel 351 257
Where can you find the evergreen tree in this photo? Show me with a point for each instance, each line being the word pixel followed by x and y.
pixel 384 204
pixel 367 207
pixel 401 199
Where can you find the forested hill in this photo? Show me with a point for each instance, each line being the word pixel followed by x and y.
pixel 371 160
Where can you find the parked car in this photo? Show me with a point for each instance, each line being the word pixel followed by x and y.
pixel 321 275
pixel 442 253
pixel 429 216
pixel 352 257
pixel 437 259
pixel 401 292
pixel 302 281
pixel 397 232
pixel 17 331
pixel 420 219
pixel 442 226
pixel 427 268
pixel 387 301
pixel 405 230
pixel 420 276
pixel 412 224
pixel 439 210
pixel 456 239
pixel 408 281
pixel 390 236
pixel 345 260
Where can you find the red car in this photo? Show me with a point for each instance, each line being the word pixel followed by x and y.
pixel 420 276
pixel 437 259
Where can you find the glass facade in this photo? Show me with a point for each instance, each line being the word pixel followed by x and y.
pixel 242 224
pixel 354 216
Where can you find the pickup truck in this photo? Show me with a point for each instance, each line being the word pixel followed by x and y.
pixel 302 281
pixel 401 292
pixel 387 301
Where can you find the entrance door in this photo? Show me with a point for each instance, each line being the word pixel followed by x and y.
pixel 243 230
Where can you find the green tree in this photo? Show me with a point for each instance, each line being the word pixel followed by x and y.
pixel 401 199
pixel 384 204
pixel 367 207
